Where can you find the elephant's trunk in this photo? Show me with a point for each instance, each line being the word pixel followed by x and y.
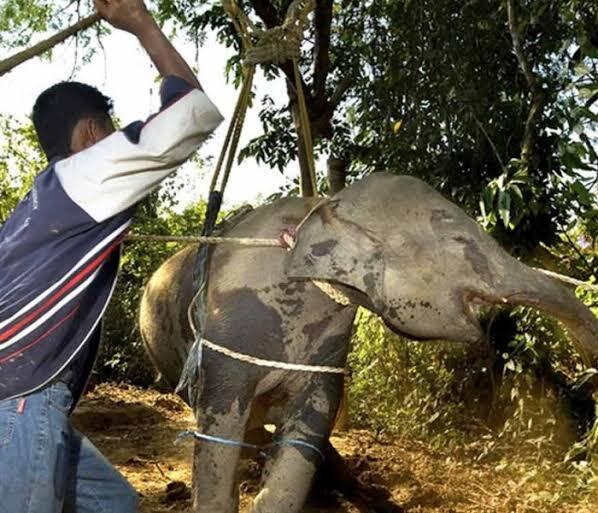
pixel 551 297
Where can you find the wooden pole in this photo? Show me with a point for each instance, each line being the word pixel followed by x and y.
pixel 13 61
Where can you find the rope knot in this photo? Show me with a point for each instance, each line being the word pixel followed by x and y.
pixel 287 238
pixel 276 45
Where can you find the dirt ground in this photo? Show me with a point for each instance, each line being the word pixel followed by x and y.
pixel 136 429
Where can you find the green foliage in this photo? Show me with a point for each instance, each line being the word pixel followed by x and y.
pixel 20 158
pixel 524 391
pixel 447 75
pixel 23 18
pixel 402 387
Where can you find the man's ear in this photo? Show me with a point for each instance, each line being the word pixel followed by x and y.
pixel 89 131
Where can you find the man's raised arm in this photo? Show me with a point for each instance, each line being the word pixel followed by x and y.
pixel 132 16
pixel 122 169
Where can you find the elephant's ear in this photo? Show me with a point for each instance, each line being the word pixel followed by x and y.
pixel 329 247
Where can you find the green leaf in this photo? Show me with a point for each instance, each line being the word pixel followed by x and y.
pixel 571 160
pixel 582 193
pixel 516 190
pixel 504 207
pixel 488 197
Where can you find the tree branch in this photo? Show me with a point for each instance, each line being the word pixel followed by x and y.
pixel 320 109
pixel 490 141
pixel 517 46
pixel 323 22
pixel 267 12
pixel 342 87
pixel 13 61
pixel 532 83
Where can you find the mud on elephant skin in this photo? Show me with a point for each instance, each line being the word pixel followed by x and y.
pixel 389 243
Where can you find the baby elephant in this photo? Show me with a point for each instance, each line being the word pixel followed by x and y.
pixel 388 243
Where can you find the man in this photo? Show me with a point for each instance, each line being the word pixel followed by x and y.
pixel 59 254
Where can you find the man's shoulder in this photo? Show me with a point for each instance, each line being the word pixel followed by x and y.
pixel 46 212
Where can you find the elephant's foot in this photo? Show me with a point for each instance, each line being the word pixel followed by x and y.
pixel 287 480
pixel 336 475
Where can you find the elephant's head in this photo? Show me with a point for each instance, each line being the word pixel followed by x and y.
pixel 402 250
pixel 377 237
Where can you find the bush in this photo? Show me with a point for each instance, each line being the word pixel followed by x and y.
pixel 520 389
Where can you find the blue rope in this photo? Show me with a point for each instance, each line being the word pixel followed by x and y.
pixel 261 448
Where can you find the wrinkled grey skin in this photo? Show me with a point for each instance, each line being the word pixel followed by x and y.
pixel 391 244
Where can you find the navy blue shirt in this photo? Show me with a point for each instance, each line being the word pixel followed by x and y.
pixel 60 248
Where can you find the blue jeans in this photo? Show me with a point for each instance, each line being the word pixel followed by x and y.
pixel 47 466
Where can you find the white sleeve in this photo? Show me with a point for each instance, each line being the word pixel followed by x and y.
pixel 115 173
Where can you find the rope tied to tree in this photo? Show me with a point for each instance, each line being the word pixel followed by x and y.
pixel 283 43
pixel 279 44
pixel 275 45
pixel 270 46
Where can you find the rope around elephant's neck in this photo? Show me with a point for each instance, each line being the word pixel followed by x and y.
pixel 287 241
pixel 278 243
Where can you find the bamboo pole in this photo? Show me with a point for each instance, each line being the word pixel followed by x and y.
pixel 13 61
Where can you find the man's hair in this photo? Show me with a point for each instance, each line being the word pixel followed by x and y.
pixel 59 108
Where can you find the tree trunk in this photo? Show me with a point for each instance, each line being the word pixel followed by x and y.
pixel 337 174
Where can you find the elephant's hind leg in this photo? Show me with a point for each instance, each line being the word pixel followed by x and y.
pixel 289 473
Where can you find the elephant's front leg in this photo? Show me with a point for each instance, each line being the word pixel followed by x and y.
pixel 289 472
pixel 215 486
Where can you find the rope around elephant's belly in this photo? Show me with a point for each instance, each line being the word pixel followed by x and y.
pixel 285 240
pixel 271 363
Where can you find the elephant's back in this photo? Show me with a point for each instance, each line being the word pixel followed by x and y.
pixel 234 266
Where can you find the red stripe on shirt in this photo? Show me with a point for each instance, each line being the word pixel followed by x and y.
pixel 75 280
pixel 41 337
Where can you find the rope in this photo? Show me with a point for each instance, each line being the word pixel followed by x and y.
pixel 283 43
pixel 271 363
pixel 241 241
pixel 244 100
pixel 234 443
pixel 305 128
pixel 231 141
pixel 333 292
pixel 276 45
pixel 286 243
